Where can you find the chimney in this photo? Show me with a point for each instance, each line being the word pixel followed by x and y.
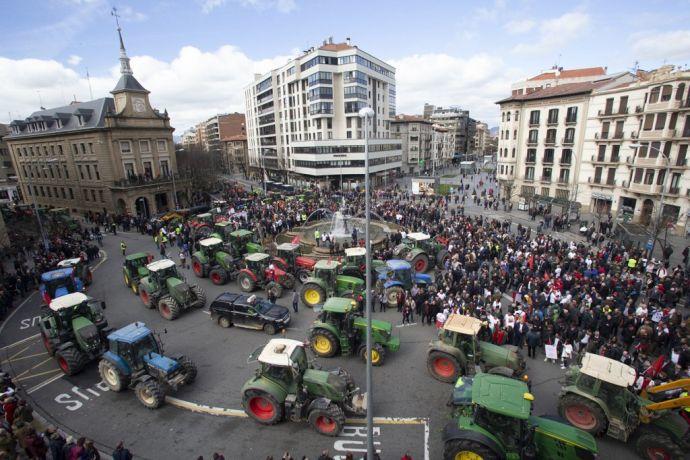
pixel 347 40
pixel 330 40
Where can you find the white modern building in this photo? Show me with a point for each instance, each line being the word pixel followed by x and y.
pixel 303 123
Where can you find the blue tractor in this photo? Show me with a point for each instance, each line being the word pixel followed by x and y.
pixel 57 283
pixel 135 360
pixel 398 276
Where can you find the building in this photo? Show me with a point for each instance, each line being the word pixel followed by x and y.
pixel 303 123
pixel 482 139
pixel 428 110
pixel 458 122
pixel 557 76
pixel 190 138
pixel 636 146
pixel 541 139
pixel 416 135
pixel 113 154
pixel 8 177
pixel 235 157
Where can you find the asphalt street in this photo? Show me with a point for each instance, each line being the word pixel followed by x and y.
pixel 409 406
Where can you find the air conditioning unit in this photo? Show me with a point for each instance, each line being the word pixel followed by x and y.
pixel 589 180
pixel 638 109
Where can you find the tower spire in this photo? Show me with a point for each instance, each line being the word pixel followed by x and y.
pixel 125 69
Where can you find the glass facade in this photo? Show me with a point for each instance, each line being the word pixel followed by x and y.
pixel 320 77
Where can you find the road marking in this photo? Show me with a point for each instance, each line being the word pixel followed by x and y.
pixel 206 312
pixel 405 325
pixel 20 342
pixel 19 352
pixel 105 257
pixel 17 377
pixel 25 357
pixel 19 307
pixel 389 421
pixel 45 382
pixel 52 371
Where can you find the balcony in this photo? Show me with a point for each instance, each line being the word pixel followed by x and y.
pixel 612 113
pixel 532 141
pixel 550 141
pixel 615 158
pixel 638 109
pixel 570 120
pixel 681 162
pixel 545 179
pixel 568 141
pixel 674 191
pixel 598 158
pixel 645 189
pixel 142 180
pixel 531 159
pixel 552 122
pixel 669 104
pixel 563 180
pixel 566 161
pixel 533 123
pixel 529 179
pixel 547 160
pixel 618 135
pixel 602 135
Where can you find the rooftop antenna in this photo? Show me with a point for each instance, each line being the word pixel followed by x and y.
pixel 88 79
pixel 40 99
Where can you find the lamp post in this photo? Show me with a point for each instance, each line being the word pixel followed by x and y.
pixel 32 192
pixel 367 113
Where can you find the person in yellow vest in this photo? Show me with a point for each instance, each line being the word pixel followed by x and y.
pixel 123 247
pixel 317 237
pixel 685 411
pixel 632 263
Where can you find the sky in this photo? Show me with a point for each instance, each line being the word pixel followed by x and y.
pixel 196 56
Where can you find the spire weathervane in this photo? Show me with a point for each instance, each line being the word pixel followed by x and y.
pixel 125 69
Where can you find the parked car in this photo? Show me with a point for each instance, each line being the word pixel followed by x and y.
pixel 250 311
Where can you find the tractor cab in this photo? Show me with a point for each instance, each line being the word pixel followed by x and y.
pixel 80 266
pixel 356 256
pixel 327 270
pixel 400 272
pixel 209 246
pixel 257 262
pixel 460 331
pixel 161 270
pixel 290 253
pixel 339 311
pixel 136 263
pixel 219 206
pixel 136 345
pixel 420 240
pixel 57 283
pixel 284 361
pixel 204 218
pixel 222 230
pixel 66 309
pixel 243 241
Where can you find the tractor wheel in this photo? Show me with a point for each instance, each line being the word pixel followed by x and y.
pixel 378 354
pixel 200 296
pixel 324 343
pixel 392 295
pixel 583 414
pixel 224 322
pixel 188 368
pixel 262 407
pixel 198 268
pixel 329 421
pixel 146 297
pixel 312 295
pixel 441 258
pixel 269 329
pixel 70 360
pixel 288 282
pixel 48 344
pixel 169 308
pixel 466 449
pixel 247 284
pixel 150 394
pixel 218 276
pixel 128 282
pixel 420 263
pixel 112 376
pixel 135 287
pixel 655 445
pixel 443 366
pixel 276 288
pixel 302 276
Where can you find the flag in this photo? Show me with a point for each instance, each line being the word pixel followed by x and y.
pixel 295 240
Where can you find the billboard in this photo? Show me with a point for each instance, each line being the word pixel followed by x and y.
pixel 422 186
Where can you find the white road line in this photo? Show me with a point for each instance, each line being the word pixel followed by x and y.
pixel 14 360
pixel 20 342
pixel 426 439
pixel 105 257
pixel 19 307
pixel 206 312
pixel 194 407
pixel 44 383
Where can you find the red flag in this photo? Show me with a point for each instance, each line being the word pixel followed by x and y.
pixel 295 240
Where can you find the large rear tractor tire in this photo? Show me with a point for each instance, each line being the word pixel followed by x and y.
pixel 189 370
pixel 312 295
pixel 420 263
pixel 262 407
pixel 112 376
pixel 329 421
pixel 150 394
pixel 169 308
pixel 246 282
pixel 146 297
pixel 200 296
pixel 70 360
pixel 218 276
pixel 655 445
pixel 378 354
pixel 583 414
pixel 198 268
pixel 392 296
pixel 441 258
pixel 48 344
pixel 443 366
pixel 324 343
pixel 468 449
pixel 302 276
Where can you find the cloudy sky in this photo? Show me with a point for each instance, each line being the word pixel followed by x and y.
pixel 195 56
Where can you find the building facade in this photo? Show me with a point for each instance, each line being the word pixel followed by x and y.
pixel 425 146
pixel 303 123
pixel 8 177
pixel 235 156
pixel 459 123
pixel 113 154
pixel 557 76
pixel 482 138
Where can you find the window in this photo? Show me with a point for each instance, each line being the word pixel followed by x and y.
pixel 666 91
pixel 86 194
pixel 81 171
pixel 83 148
pixel 516 115
pixel 679 92
pixel 682 155
pixel 654 149
pixel 605 130
pixel 529 173
pixel 660 120
pixel 165 171
pixel 649 176
pixel 93 195
pixel 531 155
pixel 615 153
pixel 660 177
pixel 534 117
pixel 507 116
pixel 60 152
pixel 71 194
pixel 320 77
pixel 597 175
pixel 569 136
pixel 654 94
pixel 533 136
pixel 553 117
pixel 571 115
pixel 162 145
pixel 564 176
pixel 551 136
pixel 548 156
pixel 91 147
pixel 144 146
pixel 618 134
pixel 608 110
pixel 642 151
pixel 546 176
pixel 623 105
pixel 148 170
pixel 95 170
pixel 566 156
pixel 129 170
pixel 611 176
pixel 125 147
pixel 64 167
pixel 601 156
pixel 100 196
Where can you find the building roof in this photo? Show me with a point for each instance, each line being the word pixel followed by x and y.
pixel 277 352
pixel 410 119
pixel 571 73
pixel 356 251
pixel 607 369
pixel 67 301
pixel 69 262
pixel 92 114
pixel 238 137
pixel 569 89
pixel 129 83
pixel 336 47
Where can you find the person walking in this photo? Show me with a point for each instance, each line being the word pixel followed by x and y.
pixel 317 237
pixel 532 342
pixel 295 300
pixel 123 247
pixel 183 259
pixel 121 452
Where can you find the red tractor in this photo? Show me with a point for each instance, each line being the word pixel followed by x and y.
pixel 202 225
pixel 287 259
pixel 258 273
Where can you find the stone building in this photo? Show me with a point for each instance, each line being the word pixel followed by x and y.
pixel 113 154
pixel 8 177
pixel 234 151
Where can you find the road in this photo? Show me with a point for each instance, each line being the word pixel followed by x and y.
pixel 410 407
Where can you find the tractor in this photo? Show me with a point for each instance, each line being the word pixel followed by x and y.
pixel 598 398
pixel 81 269
pixel 355 263
pixel 458 352
pixel 340 328
pixel 243 242
pixel 397 276
pixel 492 420
pixel 287 387
pixel 59 282
pixel 258 273
pixel 167 290
pixel 135 360
pixel 201 225
pixel 211 260
pixel 422 252
pixel 288 259
pixel 327 282
pixel 134 269
pixel 74 329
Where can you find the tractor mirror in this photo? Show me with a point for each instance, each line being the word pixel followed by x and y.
pixel 103 304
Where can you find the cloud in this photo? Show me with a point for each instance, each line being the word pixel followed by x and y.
pixel 519 26
pixel 556 32
pixel 474 83
pixel 283 6
pixel 665 45
pixel 74 60
pixel 128 14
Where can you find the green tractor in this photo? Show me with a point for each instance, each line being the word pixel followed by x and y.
pixel 74 330
pixel 241 242
pixel 327 282
pixel 287 387
pixel 167 290
pixel 422 252
pixel 355 263
pixel 458 352
pixel 340 328
pixel 211 260
pixel 598 398
pixel 492 420
pixel 134 269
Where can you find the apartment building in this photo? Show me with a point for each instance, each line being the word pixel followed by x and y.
pixel 458 122
pixel 557 76
pixel 112 154
pixel 234 150
pixel 482 139
pixel 425 146
pixel 303 123
pixel 8 177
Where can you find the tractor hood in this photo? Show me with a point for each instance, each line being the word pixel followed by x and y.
pixel 495 355
pixel 86 332
pixel 563 432
pixel 224 259
pixel 376 324
pixel 62 290
pixel 143 271
pixel 177 286
pixel 318 381
pixel 160 362
pixel 351 280
pixel 305 262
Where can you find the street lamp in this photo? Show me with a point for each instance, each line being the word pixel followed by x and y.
pixel 32 192
pixel 367 113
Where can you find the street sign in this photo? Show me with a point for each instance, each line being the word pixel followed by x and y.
pixel 649 245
